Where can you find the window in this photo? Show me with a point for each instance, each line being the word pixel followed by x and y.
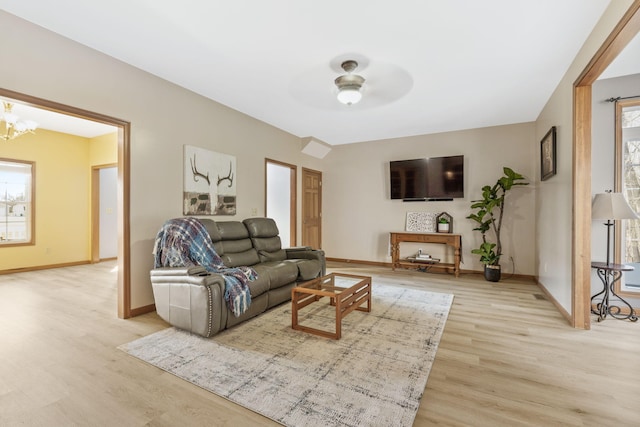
pixel 16 202
pixel 628 182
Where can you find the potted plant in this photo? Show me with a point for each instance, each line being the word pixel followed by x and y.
pixel 444 221
pixel 443 225
pixel 488 214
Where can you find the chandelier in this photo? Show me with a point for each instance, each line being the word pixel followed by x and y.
pixel 12 126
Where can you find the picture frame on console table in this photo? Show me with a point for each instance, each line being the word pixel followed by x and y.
pixel 548 155
pixel 422 222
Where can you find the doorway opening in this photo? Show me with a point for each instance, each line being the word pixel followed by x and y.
pixel 123 137
pixel 281 200
pixel 621 35
pixel 104 206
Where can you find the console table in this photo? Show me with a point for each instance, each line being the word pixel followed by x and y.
pixel 449 239
pixel 609 274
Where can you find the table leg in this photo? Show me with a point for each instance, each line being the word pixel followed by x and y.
pixel 294 309
pixel 338 318
pixel 395 255
pixel 456 257
pixel 604 307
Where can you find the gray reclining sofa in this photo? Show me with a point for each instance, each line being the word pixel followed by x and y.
pixel 191 298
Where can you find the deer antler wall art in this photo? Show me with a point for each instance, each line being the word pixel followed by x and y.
pixel 197 174
pixel 228 177
pixel 208 188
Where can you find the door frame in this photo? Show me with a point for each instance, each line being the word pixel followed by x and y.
pixel 124 136
pixel 621 35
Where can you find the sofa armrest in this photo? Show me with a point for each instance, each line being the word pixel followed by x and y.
pixel 194 270
pixel 190 298
pixel 304 252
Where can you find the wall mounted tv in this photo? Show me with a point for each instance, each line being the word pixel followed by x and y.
pixel 432 178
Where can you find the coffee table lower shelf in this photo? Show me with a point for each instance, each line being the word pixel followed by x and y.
pixel 345 299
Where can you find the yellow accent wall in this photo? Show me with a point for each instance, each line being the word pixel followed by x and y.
pixel 103 150
pixel 62 196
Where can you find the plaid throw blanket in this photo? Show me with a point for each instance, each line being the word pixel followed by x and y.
pixel 185 242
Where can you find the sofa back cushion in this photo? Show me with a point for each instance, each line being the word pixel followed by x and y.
pixel 236 248
pixel 261 227
pixel 239 259
pixel 212 229
pixel 214 233
pixel 264 236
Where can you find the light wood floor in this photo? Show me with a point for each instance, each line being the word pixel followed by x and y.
pixel 507 358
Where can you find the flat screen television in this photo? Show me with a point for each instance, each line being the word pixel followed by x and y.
pixel 432 178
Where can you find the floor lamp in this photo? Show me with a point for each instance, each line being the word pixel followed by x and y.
pixel 611 206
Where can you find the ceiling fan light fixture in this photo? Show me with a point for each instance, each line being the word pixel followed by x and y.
pixel 349 85
pixel 349 95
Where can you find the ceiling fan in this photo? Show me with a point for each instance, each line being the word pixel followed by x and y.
pixel 318 86
pixel 349 85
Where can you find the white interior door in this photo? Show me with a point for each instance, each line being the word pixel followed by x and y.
pixel 108 213
pixel 280 200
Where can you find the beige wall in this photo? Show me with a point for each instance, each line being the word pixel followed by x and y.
pixel 54 68
pixel 554 197
pixel 358 213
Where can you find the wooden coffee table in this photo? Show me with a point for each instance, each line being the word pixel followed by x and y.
pixel 351 295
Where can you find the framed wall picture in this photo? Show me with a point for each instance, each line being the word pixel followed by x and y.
pixel 548 155
pixel 209 182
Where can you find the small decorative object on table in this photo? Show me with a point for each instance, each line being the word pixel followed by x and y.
pixel 445 223
pixel 423 257
pixel 423 222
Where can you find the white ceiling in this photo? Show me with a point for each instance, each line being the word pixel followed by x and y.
pixel 430 65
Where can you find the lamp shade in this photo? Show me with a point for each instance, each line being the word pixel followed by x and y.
pixel 349 95
pixel 611 206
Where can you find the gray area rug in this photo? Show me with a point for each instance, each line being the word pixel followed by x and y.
pixel 373 376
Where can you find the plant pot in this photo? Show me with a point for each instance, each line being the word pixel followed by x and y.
pixel 443 228
pixel 492 273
